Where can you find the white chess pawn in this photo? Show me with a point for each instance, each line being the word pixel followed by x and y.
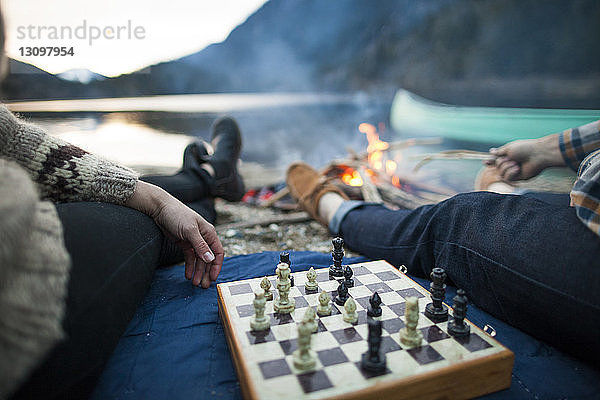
pixel 310 318
pixel 349 314
pixel 284 305
pixel 265 284
pixel 311 283
pixel 260 322
pixel 304 357
pixel 324 307
pixel 409 335
pixel 278 270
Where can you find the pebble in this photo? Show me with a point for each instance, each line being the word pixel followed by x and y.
pixel 231 233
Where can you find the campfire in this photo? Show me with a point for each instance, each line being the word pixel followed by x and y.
pixel 373 175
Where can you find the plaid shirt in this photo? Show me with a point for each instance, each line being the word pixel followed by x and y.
pixel 580 147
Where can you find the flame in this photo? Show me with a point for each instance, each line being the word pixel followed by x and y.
pixel 352 177
pixel 390 167
pixel 376 146
pixel 379 162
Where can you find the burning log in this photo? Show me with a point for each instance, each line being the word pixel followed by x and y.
pixel 368 189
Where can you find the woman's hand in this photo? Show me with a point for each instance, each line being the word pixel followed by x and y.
pixel 524 159
pixel 202 250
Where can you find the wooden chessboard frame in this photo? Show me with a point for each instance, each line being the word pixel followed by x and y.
pixel 463 380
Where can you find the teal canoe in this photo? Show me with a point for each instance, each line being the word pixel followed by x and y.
pixel 413 115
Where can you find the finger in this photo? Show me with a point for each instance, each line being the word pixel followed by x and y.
pixel 513 173
pixel 206 277
pixel 506 166
pixel 498 152
pixel 499 161
pixel 190 260
pixel 201 248
pixel 198 272
pixel 210 235
pixel 216 266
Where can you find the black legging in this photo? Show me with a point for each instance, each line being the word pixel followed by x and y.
pixel 114 251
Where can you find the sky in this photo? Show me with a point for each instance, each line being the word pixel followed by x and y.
pixel 112 37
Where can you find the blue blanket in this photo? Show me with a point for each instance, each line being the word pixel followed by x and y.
pixel 175 346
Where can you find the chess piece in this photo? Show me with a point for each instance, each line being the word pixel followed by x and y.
pixel 374 310
pixel 342 294
pixel 304 358
pixel 278 270
pixel 348 276
pixel 324 307
pixel 260 322
pixel 409 335
pixel 349 314
pixel 457 326
pixel 335 269
pixel 311 280
pixel 284 305
pixel 284 257
pixel 437 310
pixel 310 318
pixel 372 360
pixel 265 284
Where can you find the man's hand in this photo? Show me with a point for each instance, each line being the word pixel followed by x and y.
pixel 524 159
pixel 202 250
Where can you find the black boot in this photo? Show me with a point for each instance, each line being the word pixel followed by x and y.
pixel 227 144
pixel 195 154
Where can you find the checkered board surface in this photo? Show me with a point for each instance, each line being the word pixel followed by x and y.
pixel 264 359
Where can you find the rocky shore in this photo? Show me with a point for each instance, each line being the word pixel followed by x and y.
pixel 306 235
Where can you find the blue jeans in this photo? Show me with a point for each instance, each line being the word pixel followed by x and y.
pixel 526 259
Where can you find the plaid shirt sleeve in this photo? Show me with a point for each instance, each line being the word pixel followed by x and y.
pixel 580 148
pixel 577 143
pixel 585 195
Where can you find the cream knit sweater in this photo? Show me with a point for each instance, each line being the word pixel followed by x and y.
pixel 34 264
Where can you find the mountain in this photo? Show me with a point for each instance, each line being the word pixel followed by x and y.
pixel 25 81
pixel 81 75
pixel 497 52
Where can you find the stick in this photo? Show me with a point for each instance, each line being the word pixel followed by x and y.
pixel 402 144
pixel 277 219
pixel 450 155
pixel 276 197
pixel 368 189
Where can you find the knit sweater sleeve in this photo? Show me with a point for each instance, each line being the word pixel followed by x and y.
pixel 63 172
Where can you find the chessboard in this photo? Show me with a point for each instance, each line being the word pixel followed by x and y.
pixel 443 366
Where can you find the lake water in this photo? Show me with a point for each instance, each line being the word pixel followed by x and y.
pixel 150 133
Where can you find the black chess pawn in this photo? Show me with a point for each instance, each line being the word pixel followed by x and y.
pixel 284 257
pixel 342 294
pixel 374 309
pixel 437 310
pixel 372 360
pixel 337 254
pixel 348 276
pixel 457 326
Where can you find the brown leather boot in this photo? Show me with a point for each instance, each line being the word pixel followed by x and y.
pixel 307 186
